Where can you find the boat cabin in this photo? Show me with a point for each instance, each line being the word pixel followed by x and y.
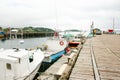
pixel 17 64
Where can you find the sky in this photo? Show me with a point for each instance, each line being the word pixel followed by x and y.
pixel 60 14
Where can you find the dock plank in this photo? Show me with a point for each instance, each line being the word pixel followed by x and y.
pixel 106 51
pixel 83 69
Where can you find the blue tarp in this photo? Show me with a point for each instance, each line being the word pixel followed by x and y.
pixel 2 33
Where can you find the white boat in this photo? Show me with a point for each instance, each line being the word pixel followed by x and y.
pixel 19 64
pixel 54 48
pixel 21 41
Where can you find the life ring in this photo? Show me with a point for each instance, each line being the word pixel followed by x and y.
pixel 61 43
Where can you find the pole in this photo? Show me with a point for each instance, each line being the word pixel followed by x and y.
pixel 113 24
pixel 92 29
pixel 10 32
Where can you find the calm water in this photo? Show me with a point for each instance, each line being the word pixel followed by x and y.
pixel 28 43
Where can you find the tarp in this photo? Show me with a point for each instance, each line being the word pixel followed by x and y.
pixel 68 35
pixel 2 33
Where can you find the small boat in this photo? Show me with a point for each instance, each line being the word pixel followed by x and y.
pixel 73 44
pixel 74 37
pixel 19 64
pixel 54 48
pixel 21 41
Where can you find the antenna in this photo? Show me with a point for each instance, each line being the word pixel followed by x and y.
pixel 113 24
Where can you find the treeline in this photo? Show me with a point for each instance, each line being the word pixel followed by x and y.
pixel 37 29
pixel 29 29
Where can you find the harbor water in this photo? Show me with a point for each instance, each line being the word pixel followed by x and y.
pixel 28 43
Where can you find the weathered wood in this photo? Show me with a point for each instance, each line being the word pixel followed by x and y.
pixel 103 63
pixel 97 77
pixel 61 72
pixel 83 69
pixel 106 48
pixel 71 58
pixel 60 69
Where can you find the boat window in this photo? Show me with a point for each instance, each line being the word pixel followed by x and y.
pixel 8 66
pixel 31 58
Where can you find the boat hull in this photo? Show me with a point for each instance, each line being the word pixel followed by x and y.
pixel 73 44
pixel 53 57
pixel 32 75
pixel 55 49
pixel 57 55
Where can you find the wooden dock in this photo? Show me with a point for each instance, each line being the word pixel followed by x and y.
pixel 62 68
pixel 97 59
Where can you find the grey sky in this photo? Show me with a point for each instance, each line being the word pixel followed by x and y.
pixel 61 14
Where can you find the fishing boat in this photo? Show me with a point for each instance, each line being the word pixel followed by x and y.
pixel 54 48
pixel 19 64
pixel 73 37
pixel 73 44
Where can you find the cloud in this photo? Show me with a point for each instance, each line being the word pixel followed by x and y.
pixel 63 14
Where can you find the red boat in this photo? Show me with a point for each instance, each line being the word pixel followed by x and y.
pixel 73 44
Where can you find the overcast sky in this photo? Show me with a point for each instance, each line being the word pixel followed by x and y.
pixel 60 14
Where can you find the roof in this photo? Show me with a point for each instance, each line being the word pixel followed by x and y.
pixel 13 54
pixel 14 30
pixel 73 30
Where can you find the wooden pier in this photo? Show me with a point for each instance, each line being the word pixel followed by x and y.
pixel 60 69
pixel 97 59
pixel 29 34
